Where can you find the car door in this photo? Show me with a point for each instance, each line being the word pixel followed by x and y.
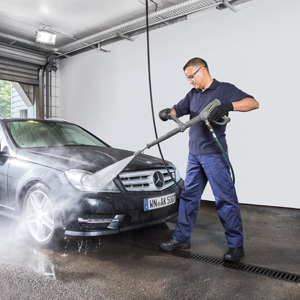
pixel 4 162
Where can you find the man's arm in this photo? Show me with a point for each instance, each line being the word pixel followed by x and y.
pixel 173 112
pixel 245 104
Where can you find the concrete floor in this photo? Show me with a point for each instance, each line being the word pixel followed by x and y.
pixel 111 268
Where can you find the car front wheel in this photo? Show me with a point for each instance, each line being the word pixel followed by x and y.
pixel 43 221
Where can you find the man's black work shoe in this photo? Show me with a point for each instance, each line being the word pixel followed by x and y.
pixel 234 254
pixel 172 244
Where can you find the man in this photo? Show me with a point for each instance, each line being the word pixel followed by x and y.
pixel 206 162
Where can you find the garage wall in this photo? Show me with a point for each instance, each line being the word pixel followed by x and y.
pixel 256 48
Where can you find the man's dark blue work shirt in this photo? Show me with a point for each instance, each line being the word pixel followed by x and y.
pixel 201 140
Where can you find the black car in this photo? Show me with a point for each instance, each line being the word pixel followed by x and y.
pixel 46 180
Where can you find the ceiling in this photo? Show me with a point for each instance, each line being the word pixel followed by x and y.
pixel 88 22
pixel 21 18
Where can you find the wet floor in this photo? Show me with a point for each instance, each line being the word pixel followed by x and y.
pixel 115 268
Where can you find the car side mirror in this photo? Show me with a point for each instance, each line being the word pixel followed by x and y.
pixel 3 150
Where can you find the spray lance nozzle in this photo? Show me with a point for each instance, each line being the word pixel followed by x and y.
pixel 202 117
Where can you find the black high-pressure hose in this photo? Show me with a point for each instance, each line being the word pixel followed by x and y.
pixel 225 154
pixel 150 91
pixel 205 111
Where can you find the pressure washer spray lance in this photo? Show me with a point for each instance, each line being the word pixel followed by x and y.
pixel 202 117
pixel 107 174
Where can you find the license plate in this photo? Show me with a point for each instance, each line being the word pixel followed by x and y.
pixel 154 203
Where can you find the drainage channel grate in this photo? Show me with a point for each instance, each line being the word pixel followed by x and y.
pixel 276 274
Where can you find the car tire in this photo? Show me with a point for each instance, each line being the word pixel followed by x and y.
pixel 43 222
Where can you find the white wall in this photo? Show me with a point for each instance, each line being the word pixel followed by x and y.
pixel 256 48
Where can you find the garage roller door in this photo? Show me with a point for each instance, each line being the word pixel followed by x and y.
pixel 20 65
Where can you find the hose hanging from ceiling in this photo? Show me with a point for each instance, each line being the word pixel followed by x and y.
pixel 150 92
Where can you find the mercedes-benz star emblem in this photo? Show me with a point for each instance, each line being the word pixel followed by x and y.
pixel 158 179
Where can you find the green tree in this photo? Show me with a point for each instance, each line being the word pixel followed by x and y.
pixel 5 99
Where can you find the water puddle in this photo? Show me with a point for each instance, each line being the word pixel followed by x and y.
pixel 45 266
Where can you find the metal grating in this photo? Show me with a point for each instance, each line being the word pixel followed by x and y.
pixel 257 270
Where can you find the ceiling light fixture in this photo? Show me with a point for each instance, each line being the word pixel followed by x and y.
pixel 45 34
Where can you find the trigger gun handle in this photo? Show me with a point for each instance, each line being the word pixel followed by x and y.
pixel 182 127
pixel 225 121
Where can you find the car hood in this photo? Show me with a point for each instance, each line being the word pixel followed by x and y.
pixel 89 158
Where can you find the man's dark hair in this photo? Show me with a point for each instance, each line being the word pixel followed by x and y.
pixel 196 62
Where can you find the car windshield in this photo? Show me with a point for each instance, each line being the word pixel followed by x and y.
pixel 35 133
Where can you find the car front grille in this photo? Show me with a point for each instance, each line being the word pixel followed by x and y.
pixel 144 180
pixel 139 216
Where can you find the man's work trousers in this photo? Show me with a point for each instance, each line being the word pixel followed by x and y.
pixel 216 170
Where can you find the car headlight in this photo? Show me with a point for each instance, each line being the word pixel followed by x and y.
pixel 177 174
pixel 85 181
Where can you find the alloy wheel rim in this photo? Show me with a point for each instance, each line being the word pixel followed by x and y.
pixel 39 216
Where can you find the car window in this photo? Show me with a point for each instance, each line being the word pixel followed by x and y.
pixel 75 135
pixel 30 133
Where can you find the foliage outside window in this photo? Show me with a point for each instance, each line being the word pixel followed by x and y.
pixel 5 99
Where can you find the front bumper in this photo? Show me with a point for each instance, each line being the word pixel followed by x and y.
pixel 119 212
pixel 114 231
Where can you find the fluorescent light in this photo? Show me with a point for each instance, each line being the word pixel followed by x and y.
pixel 46 37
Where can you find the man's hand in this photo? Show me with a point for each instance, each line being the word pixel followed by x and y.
pixel 219 111
pixel 164 114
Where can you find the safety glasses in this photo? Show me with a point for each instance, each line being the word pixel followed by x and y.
pixel 191 77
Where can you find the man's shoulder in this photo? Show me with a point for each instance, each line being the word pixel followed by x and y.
pixel 224 85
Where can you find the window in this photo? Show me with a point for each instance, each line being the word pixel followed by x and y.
pixel 32 133
pixel 23 113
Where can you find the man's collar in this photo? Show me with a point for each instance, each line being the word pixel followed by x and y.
pixel 213 85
